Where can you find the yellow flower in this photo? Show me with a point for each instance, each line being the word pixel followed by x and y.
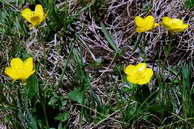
pixel 34 17
pixel 20 70
pixel 138 74
pixel 173 24
pixel 145 24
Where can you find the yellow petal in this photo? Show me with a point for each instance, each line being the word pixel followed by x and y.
pixel 28 64
pixel 27 14
pixel 156 25
pixel 147 76
pixel 140 29
pixel 16 63
pixel 27 75
pixel 185 26
pixel 39 12
pixel 139 21
pixel 166 21
pixel 179 28
pixel 141 67
pixel 138 74
pixel 132 79
pixel 149 73
pixel 11 73
pixel 149 19
pixel 150 23
pixel 129 69
pixel 28 68
pixel 142 82
pixel 176 21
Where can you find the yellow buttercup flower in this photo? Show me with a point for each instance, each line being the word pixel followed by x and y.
pixel 34 17
pixel 20 70
pixel 145 24
pixel 138 74
pixel 173 24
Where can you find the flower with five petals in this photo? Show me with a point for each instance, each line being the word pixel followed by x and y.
pixel 138 74
pixel 145 24
pixel 34 17
pixel 20 70
pixel 173 24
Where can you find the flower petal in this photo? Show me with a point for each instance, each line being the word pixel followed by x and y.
pixel 147 76
pixel 166 21
pixel 139 21
pixel 28 68
pixel 175 21
pixel 28 64
pixel 149 19
pixel 27 75
pixel 140 29
pixel 129 69
pixel 39 12
pixel 141 67
pixel 132 79
pixel 11 73
pixel 27 14
pixel 16 63
pixel 156 25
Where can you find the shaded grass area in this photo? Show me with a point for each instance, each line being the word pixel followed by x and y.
pixel 80 52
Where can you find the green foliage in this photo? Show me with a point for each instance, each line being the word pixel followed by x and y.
pixel 77 95
pixel 189 3
pixel 187 90
pixel 10 23
pixel 97 8
pixel 63 116
pixel 33 87
pixel 109 38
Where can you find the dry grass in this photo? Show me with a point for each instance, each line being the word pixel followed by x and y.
pixel 118 17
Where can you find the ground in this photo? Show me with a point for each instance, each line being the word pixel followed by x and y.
pixel 80 52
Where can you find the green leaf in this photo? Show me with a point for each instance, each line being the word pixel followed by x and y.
pixel 60 126
pixel 157 108
pixel 77 95
pixel 33 87
pixel 186 74
pixel 62 117
pixel 34 123
pixel 142 93
pixel 189 3
pixel 109 38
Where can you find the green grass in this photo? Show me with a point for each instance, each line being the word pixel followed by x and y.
pixel 79 56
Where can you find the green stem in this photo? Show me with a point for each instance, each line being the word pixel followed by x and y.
pixel 138 41
pixel 45 115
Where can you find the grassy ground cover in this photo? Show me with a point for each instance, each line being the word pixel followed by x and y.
pixel 80 50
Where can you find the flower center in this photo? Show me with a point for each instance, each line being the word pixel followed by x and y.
pixel 35 18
